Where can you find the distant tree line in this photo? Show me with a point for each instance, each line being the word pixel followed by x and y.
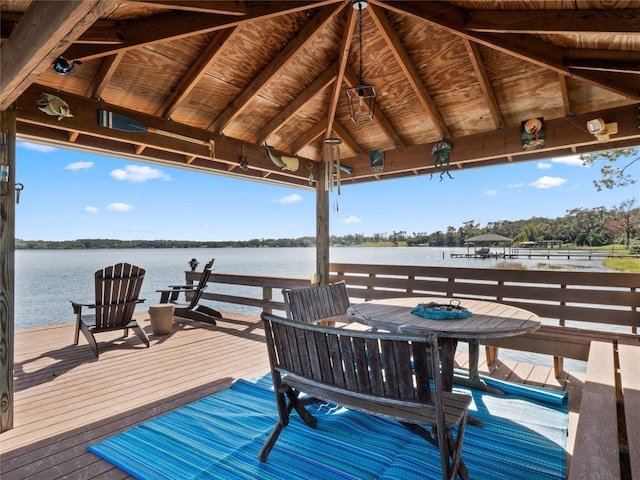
pixel 580 226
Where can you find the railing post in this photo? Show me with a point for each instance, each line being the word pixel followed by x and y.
pixel 267 294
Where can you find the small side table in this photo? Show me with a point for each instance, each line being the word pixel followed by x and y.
pixel 161 317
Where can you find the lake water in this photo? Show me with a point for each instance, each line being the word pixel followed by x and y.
pixel 46 280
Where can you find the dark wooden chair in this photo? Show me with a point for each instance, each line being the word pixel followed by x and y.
pixel 318 302
pixel 191 309
pixel 396 376
pixel 117 289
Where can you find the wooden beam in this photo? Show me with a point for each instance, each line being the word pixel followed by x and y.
pixel 565 21
pixel 310 135
pixel 299 42
pixel 563 135
pixel 175 25
pixel 105 72
pixel 528 48
pixel 566 101
pixel 604 65
pixel 485 84
pixel 319 84
pixel 29 51
pixel 409 70
pixel 197 70
pixel 343 57
pixel 216 6
pixel 101 32
pixel 85 120
pixel 347 139
pixel 7 266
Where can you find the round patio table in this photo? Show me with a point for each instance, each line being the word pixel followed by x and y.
pixel 488 320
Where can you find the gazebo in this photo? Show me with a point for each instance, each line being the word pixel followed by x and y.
pixel 483 243
pixel 311 94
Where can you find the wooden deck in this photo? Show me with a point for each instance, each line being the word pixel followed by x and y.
pixel 65 399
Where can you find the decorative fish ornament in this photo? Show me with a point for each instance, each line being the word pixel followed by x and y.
pixel 281 161
pixel 55 106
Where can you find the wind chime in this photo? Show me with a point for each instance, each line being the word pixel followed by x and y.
pixel 331 162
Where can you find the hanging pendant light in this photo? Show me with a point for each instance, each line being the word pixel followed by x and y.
pixel 362 97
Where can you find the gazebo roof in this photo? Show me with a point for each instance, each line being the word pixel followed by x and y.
pixel 488 238
pixel 210 81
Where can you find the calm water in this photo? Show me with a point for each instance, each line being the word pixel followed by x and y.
pixel 46 280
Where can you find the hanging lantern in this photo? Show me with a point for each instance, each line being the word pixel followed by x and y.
pixel 362 97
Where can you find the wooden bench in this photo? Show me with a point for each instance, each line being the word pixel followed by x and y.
pixel 607 442
pixel 382 374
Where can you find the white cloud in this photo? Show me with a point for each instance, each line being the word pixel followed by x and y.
pixel 569 160
pixel 544 166
pixel 351 219
pixel 548 182
pixel 90 209
pixel 516 185
pixel 293 198
pixel 79 166
pixel 119 207
pixel 36 147
pixel 491 193
pixel 139 174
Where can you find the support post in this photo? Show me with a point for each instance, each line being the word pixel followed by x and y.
pixel 322 229
pixel 7 266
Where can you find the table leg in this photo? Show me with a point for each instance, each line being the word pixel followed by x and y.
pixel 447 356
pixel 474 380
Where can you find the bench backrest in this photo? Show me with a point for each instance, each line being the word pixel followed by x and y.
pixel 315 303
pixel 390 368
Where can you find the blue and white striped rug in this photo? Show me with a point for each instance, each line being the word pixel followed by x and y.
pixel 219 437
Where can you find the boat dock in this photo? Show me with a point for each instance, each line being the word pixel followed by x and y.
pixel 548 253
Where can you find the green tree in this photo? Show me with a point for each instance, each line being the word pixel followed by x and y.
pixel 614 167
pixel 624 221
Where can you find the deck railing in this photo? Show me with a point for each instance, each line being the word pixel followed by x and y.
pixel 579 302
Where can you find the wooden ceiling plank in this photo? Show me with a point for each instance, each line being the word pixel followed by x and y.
pixel 175 25
pixel 216 6
pixel 319 84
pixel 485 84
pixel 29 51
pixel 379 118
pixel 343 57
pixel 410 72
pixel 104 74
pixel 300 41
pixel 624 21
pixel 527 48
pixel 196 72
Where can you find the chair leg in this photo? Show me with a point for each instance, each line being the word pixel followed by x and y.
pixel 271 441
pixel 142 335
pixel 86 331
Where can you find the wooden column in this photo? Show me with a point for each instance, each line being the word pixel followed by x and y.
pixel 322 229
pixel 7 266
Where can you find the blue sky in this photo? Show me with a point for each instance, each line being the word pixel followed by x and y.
pixel 70 194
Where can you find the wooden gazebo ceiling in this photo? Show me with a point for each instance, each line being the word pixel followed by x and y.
pixel 251 72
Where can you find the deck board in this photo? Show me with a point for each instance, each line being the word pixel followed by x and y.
pixel 65 399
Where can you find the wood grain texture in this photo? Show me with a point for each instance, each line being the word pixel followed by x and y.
pixel 595 452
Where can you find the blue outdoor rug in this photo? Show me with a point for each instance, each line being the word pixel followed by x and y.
pixel 219 438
